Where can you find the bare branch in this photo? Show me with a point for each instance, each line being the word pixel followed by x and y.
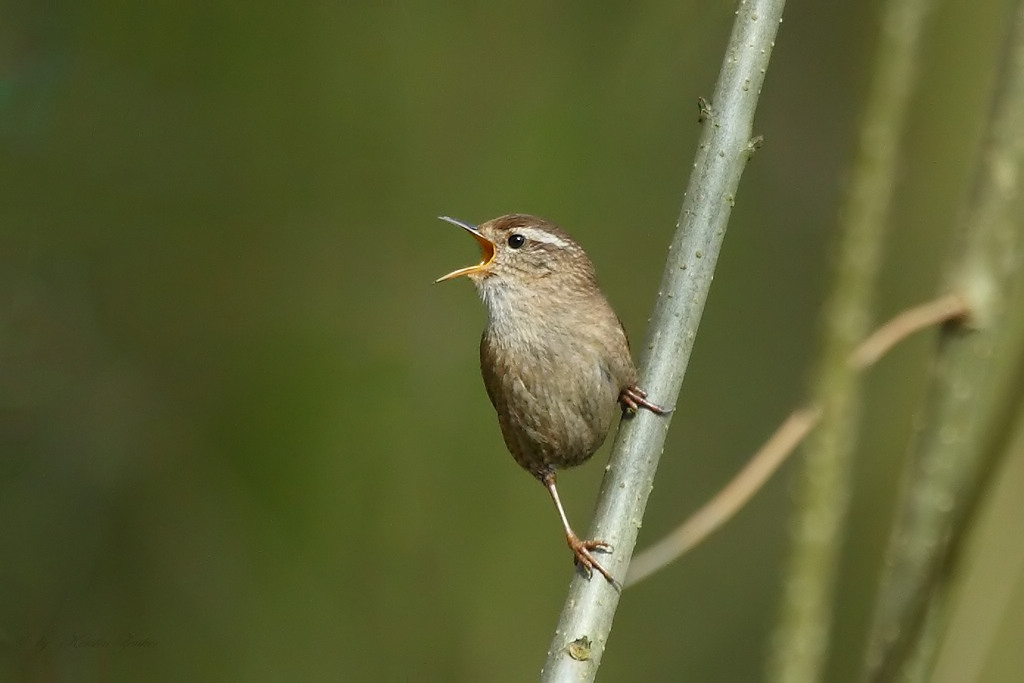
pixel 724 147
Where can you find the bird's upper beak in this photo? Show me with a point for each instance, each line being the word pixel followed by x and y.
pixel 487 250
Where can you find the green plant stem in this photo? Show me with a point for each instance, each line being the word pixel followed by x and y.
pixel 990 573
pixel 723 150
pixel 801 644
pixel 976 378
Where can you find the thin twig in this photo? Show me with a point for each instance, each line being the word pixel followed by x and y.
pixel 766 461
pixel 729 500
pixel 949 307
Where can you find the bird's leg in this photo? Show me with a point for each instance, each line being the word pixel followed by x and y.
pixel 633 398
pixel 579 547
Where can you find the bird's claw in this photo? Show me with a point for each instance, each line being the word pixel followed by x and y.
pixel 587 561
pixel 633 398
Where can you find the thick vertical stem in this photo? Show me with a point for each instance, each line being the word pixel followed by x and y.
pixel 801 642
pixel 975 379
pixel 724 147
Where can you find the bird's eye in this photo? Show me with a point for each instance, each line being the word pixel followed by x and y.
pixel 516 240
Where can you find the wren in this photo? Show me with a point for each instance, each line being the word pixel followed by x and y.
pixel 554 356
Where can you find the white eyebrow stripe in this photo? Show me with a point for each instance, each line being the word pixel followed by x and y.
pixel 542 236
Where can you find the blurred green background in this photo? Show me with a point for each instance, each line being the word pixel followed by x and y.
pixel 242 435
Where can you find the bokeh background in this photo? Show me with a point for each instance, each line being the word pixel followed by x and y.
pixel 242 435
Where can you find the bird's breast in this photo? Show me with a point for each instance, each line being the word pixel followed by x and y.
pixel 555 393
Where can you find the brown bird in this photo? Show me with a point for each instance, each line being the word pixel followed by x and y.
pixel 554 356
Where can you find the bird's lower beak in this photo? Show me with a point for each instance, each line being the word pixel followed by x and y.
pixel 487 250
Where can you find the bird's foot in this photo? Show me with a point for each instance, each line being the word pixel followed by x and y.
pixel 633 398
pixel 585 559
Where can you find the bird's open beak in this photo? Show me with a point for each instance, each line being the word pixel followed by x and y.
pixel 487 250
